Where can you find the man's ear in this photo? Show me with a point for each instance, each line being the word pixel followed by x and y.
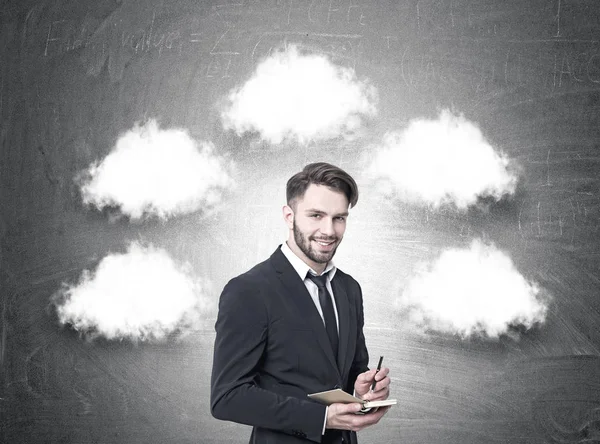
pixel 288 216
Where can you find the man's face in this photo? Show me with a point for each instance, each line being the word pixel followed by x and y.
pixel 318 224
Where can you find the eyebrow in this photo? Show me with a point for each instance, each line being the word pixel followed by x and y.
pixel 314 210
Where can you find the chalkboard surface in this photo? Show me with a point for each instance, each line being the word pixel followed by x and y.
pixel 75 75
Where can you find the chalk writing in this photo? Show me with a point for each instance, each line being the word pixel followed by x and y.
pixel 36 371
pixel 557 19
pixel 3 318
pixel 548 169
pixel 144 40
pixel 1 98
pixel 221 49
pixel 560 219
pixel 85 400
pixel 50 37
pixel 437 18
pixel 344 49
pixel 330 12
pixel 457 44
pixel 220 66
pixel 63 37
pixel 215 49
pixel 531 66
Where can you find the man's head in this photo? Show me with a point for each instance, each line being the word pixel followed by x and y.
pixel 318 200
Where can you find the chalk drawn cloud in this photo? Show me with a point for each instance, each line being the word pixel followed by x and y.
pixel 442 161
pixel 157 172
pixel 140 295
pixel 475 291
pixel 300 97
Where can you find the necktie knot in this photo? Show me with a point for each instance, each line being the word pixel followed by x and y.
pixel 320 281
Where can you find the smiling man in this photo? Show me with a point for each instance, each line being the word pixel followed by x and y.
pixel 293 325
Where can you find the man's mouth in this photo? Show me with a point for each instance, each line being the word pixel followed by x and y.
pixel 324 243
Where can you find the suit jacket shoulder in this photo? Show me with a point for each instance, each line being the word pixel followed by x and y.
pixel 348 279
pixel 251 281
pixel 351 285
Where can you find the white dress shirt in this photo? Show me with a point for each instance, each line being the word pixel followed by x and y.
pixel 302 269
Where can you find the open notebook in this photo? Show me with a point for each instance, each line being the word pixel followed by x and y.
pixel 338 395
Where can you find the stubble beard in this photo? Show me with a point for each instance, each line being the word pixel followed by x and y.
pixel 303 243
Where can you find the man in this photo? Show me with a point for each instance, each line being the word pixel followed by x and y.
pixel 293 325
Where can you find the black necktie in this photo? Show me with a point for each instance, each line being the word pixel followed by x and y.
pixel 327 307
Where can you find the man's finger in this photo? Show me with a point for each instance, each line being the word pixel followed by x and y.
pixel 366 376
pixel 382 383
pixel 369 375
pixel 381 374
pixel 373 417
pixel 350 408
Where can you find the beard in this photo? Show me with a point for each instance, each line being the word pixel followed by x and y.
pixel 304 243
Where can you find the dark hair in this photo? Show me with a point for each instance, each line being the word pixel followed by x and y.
pixel 321 173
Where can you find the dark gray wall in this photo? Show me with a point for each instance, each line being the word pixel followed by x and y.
pixel 76 74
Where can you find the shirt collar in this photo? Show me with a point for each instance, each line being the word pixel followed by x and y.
pixel 301 267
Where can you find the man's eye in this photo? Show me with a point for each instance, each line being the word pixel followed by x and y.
pixel 315 215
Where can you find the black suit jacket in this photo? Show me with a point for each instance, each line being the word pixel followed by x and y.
pixel 271 350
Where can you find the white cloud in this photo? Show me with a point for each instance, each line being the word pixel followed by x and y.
pixel 474 291
pixel 300 97
pixel 140 295
pixel 160 172
pixel 441 161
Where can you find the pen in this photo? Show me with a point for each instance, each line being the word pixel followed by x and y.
pixel 378 368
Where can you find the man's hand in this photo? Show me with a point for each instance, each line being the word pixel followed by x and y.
pixel 362 386
pixel 343 416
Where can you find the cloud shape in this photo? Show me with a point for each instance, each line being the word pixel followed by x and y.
pixel 442 161
pixel 159 172
pixel 139 295
pixel 470 292
pixel 293 96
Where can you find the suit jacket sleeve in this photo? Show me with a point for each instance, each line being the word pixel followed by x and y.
pixel 240 343
pixel 361 355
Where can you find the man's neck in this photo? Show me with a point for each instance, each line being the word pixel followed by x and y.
pixel 318 268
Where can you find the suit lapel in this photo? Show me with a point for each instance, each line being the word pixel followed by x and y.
pixel 343 308
pixel 306 307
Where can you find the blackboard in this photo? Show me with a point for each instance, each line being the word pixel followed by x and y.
pixel 75 75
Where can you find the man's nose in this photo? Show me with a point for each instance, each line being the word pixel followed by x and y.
pixel 327 226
